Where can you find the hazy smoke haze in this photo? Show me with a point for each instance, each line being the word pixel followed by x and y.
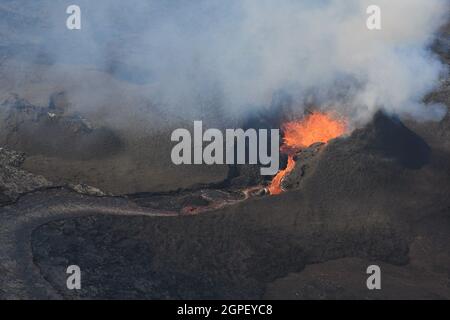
pixel 237 54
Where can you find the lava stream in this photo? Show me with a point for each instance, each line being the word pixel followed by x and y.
pixel 316 127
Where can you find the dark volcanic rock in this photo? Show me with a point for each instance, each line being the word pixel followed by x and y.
pixel 379 196
pixel 51 131
pixel 11 158
pixel 305 162
pixel 13 180
pixel 361 198
pixel 386 140
pixel 346 279
pixel 87 190
pixel 242 176
pixel 193 257
pixel 390 138
pixel 188 201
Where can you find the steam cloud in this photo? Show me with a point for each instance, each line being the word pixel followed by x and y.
pixel 237 54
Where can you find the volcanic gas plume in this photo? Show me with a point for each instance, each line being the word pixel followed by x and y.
pixel 316 127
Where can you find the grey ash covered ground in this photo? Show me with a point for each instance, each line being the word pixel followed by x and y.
pixel 379 196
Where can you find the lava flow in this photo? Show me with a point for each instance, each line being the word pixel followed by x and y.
pixel 316 127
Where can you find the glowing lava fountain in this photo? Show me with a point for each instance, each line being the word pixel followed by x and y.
pixel 316 127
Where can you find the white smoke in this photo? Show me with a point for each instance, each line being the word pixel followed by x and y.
pixel 237 54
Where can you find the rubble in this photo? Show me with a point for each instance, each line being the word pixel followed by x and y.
pixel 87 190
pixel 13 180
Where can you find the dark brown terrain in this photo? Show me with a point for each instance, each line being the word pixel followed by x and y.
pixel 81 187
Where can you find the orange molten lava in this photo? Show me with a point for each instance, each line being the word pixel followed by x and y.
pixel 316 127
pixel 275 185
